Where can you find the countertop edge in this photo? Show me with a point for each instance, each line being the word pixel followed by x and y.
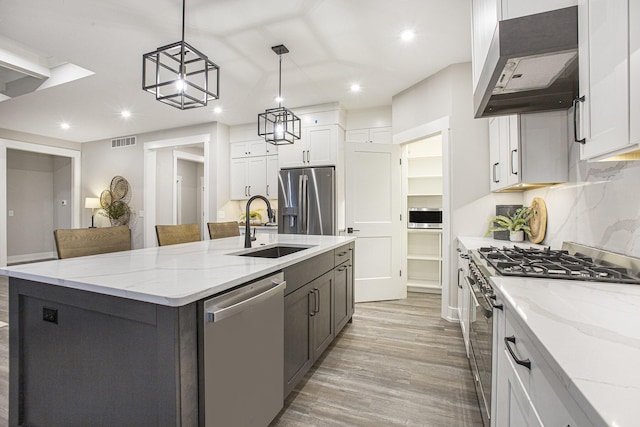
pixel 189 297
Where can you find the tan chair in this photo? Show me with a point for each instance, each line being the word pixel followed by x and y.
pixel 175 234
pixel 92 241
pixel 219 230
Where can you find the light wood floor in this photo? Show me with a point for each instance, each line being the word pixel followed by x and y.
pixel 397 364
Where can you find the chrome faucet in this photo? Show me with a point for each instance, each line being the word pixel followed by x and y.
pixel 247 222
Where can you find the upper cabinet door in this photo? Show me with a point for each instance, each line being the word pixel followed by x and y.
pixel 485 17
pixel 272 177
pixel 322 144
pixel 513 154
pixel 293 155
pixel 634 67
pixel 604 53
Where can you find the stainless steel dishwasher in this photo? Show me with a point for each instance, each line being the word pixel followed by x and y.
pixel 243 357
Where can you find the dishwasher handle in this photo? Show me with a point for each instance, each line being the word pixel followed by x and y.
pixel 221 312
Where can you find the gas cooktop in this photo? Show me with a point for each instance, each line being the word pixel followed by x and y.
pixel 556 264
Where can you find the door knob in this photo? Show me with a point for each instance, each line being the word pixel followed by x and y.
pixel 351 230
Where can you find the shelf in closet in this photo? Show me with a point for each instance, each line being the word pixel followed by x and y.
pixel 427 286
pixel 417 257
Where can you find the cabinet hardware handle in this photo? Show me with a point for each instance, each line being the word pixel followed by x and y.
pixel 249 191
pixel 464 256
pixel 460 270
pixel 498 306
pixel 512 162
pixel 303 156
pixel 342 253
pixel 245 190
pixel 341 269
pixel 495 177
pixel 317 292
pixel 312 311
pixel 308 157
pixel 575 120
pixel 267 189
pixel 512 339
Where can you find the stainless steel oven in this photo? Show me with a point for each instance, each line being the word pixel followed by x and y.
pixel 425 218
pixel 481 336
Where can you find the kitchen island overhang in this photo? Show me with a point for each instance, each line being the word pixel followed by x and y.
pixel 94 335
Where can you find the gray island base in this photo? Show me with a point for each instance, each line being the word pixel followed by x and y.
pixel 82 354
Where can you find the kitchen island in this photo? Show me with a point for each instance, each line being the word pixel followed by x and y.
pixel 116 339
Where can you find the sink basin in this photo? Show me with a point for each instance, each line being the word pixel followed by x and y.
pixel 275 251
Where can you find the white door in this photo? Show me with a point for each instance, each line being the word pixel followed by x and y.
pixel 373 213
pixel 322 141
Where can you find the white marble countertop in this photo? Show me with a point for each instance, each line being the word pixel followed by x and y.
pixel 173 275
pixel 589 333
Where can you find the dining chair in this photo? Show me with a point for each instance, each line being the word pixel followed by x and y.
pixel 175 234
pixel 219 230
pixel 71 243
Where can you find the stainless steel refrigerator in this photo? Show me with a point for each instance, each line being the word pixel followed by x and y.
pixel 306 201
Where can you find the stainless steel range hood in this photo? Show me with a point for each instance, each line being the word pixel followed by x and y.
pixel 532 65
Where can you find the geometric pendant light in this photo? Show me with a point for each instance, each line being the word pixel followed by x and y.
pixel 180 75
pixel 279 126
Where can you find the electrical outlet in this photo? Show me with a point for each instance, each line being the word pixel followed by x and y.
pixel 11 213
pixel 50 314
pixel 221 215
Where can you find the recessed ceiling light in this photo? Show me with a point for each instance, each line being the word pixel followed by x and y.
pixel 125 114
pixel 64 125
pixel 217 110
pixel 355 87
pixel 407 35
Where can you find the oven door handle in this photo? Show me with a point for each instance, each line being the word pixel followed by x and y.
pixel 486 311
pixel 494 305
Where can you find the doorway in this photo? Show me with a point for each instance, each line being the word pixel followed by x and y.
pixel 160 176
pixel 437 130
pixel 188 189
pixel 43 193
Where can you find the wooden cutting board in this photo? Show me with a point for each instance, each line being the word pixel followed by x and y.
pixel 538 222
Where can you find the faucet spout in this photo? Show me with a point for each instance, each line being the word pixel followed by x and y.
pixel 247 225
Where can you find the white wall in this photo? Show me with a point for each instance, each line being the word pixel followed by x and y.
pixel 100 163
pixel 62 175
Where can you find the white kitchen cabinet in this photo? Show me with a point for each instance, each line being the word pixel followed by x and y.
pixel 273 168
pixel 527 396
pixel 252 148
pixel 498 149
pixel 486 14
pixel 528 150
pixel 464 294
pixel 381 135
pixel 318 146
pixel 248 177
pixel 609 68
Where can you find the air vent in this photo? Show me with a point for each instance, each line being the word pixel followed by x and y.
pixel 126 141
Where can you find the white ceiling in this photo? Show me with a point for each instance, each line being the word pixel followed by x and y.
pixel 332 44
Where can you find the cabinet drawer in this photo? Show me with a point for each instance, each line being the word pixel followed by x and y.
pixel 342 254
pixel 302 273
pixel 521 349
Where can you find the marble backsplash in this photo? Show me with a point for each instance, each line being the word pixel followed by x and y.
pixel 599 206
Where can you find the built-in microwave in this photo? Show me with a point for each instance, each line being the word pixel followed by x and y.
pixel 425 218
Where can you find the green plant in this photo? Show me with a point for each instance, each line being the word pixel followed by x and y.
pixel 253 215
pixel 518 220
pixel 118 213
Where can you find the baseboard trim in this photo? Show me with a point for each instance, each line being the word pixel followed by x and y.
pixel 17 259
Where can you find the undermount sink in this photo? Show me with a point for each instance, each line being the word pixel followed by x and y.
pixel 274 251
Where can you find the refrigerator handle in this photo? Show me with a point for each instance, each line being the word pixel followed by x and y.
pixel 300 202
pixel 305 204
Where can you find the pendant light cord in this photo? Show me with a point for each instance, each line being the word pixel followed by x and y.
pixel 280 83
pixel 183 13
